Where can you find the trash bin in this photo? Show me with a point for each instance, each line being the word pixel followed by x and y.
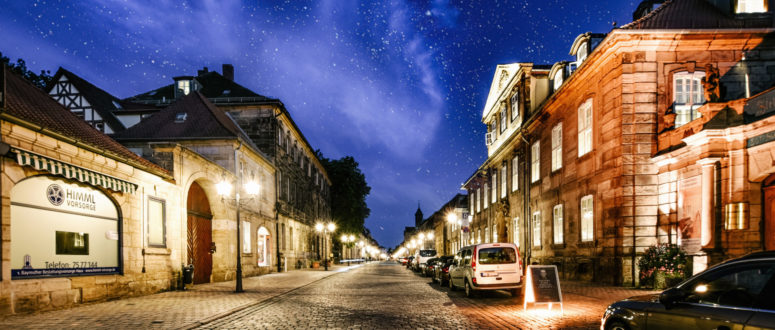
pixel 188 274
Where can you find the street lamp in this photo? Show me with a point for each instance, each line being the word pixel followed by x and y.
pixel 325 229
pixel 224 189
pixel 347 239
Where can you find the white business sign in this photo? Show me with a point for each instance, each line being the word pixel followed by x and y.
pixel 60 228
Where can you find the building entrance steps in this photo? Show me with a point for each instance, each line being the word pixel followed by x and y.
pixel 174 309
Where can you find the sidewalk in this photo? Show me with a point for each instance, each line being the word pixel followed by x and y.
pixel 174 309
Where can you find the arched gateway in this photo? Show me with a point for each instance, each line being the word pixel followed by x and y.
pixel 200 238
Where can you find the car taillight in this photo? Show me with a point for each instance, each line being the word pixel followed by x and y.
pixel 473 261
pixel 473 279
pixel 445 269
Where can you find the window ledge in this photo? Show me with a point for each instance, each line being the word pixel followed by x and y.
pixel 587 244
pixel 161 251
pixel 558 246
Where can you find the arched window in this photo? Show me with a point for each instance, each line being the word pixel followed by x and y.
pixel 263 250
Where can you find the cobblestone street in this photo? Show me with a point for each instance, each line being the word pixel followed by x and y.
pixel 373 296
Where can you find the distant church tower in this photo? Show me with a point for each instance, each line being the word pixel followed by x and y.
pixel 418 216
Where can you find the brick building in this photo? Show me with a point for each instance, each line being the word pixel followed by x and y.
pixel 654 133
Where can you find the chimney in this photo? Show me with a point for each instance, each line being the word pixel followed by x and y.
pixel 228 71
pixel 201 72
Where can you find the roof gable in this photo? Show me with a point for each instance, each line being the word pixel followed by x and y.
pixel 101 101
pixel 500 81
pixel 30 104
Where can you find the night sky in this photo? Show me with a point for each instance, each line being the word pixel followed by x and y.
pixel 399 85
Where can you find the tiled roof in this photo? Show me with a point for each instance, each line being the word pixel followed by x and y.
pixel 28 103
pixel 694 14
pixel 214 85
pixel 191 117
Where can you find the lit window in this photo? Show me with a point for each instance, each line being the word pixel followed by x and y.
pixel 185 86
pixel 516 231
pixel 181 117
pixel 246 245
pixel 535 162
pixel 487 234
pixel 478 199
pixel 156 220
pixel 557 147
pixel 486 201
pixel 585 128
pixel 504 122
pixel 558 79
pixel 494 234
pixel 687 96
pixel 751 6
pixel 471 194
pixel 514 174
pixel 515 106
pixel 558 224
pixel 494 188
pixel 504 176
pixel 537 229
pixel 587 219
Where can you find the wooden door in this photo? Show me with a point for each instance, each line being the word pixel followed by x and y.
pixel 199 234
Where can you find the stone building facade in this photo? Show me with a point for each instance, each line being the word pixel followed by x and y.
pixel 643 139
pixel 111 238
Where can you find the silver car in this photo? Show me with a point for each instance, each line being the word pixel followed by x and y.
pixel 736 294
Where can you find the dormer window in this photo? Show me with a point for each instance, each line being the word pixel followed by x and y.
pixel 181 117
pixel 751 6
pixel 184 86
pixel 557 79
pixel 581 55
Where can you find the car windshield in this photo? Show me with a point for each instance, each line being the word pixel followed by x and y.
pixel 427 253
pixel 497 255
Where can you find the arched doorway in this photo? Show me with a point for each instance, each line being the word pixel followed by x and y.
pixel 768 187
pixel 199 234
pixel 263 249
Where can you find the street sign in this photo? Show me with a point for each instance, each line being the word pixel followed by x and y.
pixel 543 286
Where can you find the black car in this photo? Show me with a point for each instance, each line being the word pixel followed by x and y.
pixel 430 265
pixel 408 263
pixel 736 294
pixel 441 271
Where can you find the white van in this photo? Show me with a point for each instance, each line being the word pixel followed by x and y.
pixel 421 258
pixel 491 266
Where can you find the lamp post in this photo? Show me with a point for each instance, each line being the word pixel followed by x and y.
pixel 346 241
pixel 325 229
pixel 224 189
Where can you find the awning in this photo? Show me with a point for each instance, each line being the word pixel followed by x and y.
pixel 43 163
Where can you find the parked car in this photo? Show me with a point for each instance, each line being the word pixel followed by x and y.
pixel 409 261
pixel 441 271
pixel 421 258
pixel 735 294
pixel 490 266
pixel 403 260
pixel 430 265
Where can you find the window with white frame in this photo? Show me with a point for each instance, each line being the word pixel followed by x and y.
pixel 487 234
pixel 587 219
pixel 558 79
pixel 537 229
pixel 494 234
pixel 535 161
pixel 515 106
pixel 515 173
pixel 471 202
pixel 515 230
pixel 504 118
pixel 581 54
pixel 557 147
pixel 494 188
pixel 687 96
pixel 558 224
pixel 751 6
pixel 504 178
pixel 246 245
pixel 478 199
pixel 156 222
pixel 585 127
pixel 184 86
pixel 486 200
pixel 478 236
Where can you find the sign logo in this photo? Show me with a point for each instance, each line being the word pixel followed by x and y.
pixel 55 194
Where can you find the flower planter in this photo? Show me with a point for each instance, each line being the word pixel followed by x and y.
pixel 316 264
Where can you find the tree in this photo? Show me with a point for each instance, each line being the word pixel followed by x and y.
pixel 20 68
pixel 348 193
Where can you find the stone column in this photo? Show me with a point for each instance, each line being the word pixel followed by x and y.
pixel 708 181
